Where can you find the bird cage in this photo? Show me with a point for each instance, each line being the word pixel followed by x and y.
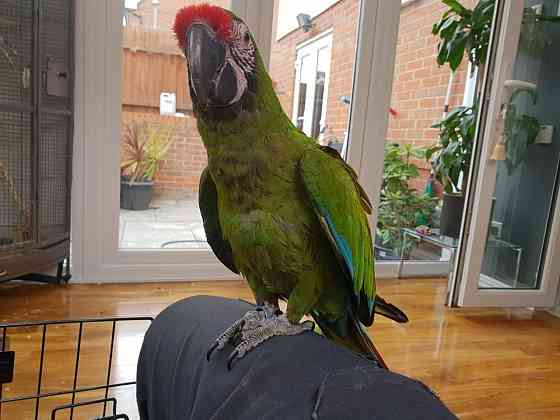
pixel 36 117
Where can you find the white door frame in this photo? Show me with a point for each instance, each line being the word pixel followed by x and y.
pixel 95 203
pixel 311 47
pixel 469 292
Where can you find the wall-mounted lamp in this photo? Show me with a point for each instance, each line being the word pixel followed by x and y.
pixel 304 22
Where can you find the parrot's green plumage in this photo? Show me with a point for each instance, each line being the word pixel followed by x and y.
pixel 284 212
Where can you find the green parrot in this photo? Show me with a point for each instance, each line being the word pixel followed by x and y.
pixel 284 212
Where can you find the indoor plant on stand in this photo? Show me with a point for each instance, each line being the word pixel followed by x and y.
pixel 144 147
pixel 462 32
pixel 450 159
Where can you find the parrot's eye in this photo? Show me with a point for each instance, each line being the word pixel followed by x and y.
pixel 247 37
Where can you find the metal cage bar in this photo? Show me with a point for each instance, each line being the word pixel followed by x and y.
pixel 39 394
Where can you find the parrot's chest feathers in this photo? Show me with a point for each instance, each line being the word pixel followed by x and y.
pixel 245 175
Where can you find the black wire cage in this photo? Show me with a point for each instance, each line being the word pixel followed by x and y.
pixel 44 376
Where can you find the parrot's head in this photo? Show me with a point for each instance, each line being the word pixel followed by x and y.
pixel 222 60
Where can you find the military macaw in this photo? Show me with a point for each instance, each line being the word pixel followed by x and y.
pixel 284 212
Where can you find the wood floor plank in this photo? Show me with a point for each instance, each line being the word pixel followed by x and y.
pixel 484 364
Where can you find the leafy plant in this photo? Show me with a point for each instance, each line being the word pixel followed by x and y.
pixel 520 130
pixel 451 156
pixel 401 206
pixel 464 32
pixel 143 149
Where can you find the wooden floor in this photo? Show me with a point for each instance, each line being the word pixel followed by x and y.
pixel 484 364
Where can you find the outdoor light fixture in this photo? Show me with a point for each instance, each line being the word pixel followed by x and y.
pixel 304 22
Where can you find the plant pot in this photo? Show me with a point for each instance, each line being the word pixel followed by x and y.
pixel 452 214
pixel 136 195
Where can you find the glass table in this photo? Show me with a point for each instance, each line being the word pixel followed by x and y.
pixel 434 238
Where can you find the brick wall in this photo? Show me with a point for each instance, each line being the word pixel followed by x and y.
pixel 420 85
pixel 179 172
pixel 342 18
pixel 153 64
pixel 418 91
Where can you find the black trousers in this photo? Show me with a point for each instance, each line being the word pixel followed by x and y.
pixel 298 377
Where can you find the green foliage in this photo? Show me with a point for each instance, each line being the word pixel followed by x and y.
pixel 400 205
pixel 464 31
pixel 533 38
pixel 451 156
pixel 144 147
pixel 520 130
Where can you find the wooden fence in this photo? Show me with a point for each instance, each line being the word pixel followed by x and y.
pixel 152 64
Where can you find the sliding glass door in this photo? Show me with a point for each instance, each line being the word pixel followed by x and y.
pixel 132 96
pixel 512 250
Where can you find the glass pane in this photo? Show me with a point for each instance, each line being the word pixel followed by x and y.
pixel 159 213
pixel 411 199
pixel 305 80
pixel 527 174
pixel 325 36
pixel 323 58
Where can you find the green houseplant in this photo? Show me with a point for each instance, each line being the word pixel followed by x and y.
pixel 400 206
pixel 143 149
pixel 464 32
pixel 450 158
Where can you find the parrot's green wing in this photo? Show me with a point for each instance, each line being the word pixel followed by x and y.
pixel 341 205
pixel 208 203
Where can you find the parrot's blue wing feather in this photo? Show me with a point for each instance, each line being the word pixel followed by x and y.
pixel 341 208
pixel 208 203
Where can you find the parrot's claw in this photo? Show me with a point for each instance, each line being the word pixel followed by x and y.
pixel 255 328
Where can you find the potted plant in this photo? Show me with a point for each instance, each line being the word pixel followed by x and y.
pixel 463 31
pixel 143 149
pixel 450 159
pixel 400 206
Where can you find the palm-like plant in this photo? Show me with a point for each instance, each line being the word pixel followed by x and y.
pixel 143 149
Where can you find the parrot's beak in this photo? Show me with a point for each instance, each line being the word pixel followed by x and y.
pixel 205 58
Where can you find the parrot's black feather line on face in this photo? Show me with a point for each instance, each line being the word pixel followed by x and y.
pixel 243 47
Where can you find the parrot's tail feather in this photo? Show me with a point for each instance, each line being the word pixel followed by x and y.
pixel 386 309
pixel 355 339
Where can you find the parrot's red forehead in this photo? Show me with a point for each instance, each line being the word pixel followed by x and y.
pixel 214 16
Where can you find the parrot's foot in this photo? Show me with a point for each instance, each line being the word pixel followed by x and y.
pixel 255 328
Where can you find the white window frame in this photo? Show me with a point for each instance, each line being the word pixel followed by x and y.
pixel 311 48
pixel 95 199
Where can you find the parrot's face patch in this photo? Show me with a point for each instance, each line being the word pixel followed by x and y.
pixel 221 59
